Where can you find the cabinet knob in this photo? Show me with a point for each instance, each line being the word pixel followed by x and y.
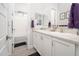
pixel 41 38
pixel 52 43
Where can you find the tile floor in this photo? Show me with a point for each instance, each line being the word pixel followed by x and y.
pixel 23 51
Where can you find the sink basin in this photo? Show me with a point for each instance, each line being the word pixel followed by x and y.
pixel 42 28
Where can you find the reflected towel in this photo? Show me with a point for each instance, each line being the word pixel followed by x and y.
pixel 32 24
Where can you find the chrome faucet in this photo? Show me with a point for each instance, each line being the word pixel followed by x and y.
pixel 54 27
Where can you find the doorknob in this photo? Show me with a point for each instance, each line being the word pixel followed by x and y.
pixel 7 37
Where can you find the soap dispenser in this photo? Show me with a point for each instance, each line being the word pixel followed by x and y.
pixel 32 24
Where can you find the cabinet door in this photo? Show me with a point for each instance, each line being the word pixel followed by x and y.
pixel 34 39
pixel 3 30
pixel 37 42
pixel 63 48
pixel 77 50
pixel 40 44
pixel 47 45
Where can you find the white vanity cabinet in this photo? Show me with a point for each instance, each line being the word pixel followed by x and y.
pixel 37 42
pixel 49 45
pixel 42 43
pixel 62 48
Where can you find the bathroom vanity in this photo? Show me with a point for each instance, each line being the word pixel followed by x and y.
pixel 49 43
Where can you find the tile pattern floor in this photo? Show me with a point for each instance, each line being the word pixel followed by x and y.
pixel 23 51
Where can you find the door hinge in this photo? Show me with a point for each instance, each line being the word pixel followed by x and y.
pixel 52 43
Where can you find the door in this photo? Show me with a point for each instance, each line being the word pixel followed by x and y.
pixel 6 35
pixel 3 30
pixel 20 27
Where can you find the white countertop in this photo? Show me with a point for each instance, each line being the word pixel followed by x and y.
pixel 73 38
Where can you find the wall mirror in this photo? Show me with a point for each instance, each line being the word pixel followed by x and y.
pixel 63 18
pixel 54 16
pixel 64 15
pixel 39 18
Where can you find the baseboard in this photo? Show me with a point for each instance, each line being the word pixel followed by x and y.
pixel 19 44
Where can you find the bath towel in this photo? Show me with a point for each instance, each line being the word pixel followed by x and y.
pixel 74 16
